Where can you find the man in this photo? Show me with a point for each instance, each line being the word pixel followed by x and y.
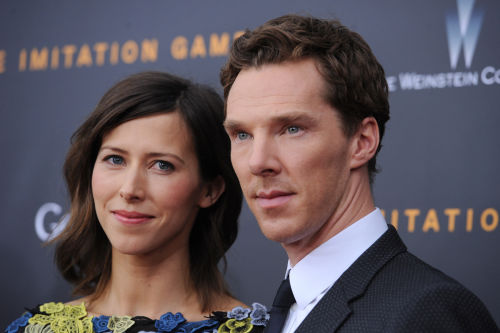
pixel 306 106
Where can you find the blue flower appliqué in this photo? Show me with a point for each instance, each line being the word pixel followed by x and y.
pixel 19 322
pixel 197 326
pixel 169 321
pixel 259 314
pixel 238 313
pixel 100 323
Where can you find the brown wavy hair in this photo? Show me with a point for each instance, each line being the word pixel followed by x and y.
pixel 355 80
pixel 83 252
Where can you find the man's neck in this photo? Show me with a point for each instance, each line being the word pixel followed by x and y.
pixel 356 203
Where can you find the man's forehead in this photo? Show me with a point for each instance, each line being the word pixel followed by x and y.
pixel 272 100
pixel 285 76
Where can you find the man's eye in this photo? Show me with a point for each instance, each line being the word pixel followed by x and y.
pixel 242 136
pixel 293 129
pixel 164 165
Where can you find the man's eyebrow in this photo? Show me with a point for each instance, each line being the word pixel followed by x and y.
pixel 294 117
pixel 231 125
pixel 288 118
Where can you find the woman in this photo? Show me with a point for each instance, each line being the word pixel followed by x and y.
pixel 154 207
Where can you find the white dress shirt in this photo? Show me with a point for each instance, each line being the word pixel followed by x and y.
pixel 315 274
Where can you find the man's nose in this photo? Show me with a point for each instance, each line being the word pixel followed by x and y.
pixel 264 159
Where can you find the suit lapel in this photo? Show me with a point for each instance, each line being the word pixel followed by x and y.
pixel 328 314
pixel 333 309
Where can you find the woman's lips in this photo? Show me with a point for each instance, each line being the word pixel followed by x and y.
pixel 273 199
pixel 128 217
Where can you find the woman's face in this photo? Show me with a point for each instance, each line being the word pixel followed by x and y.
pixel 146 185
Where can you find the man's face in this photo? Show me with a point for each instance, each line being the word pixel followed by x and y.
pixel 288 150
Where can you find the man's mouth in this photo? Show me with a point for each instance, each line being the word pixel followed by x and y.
pixel 273 199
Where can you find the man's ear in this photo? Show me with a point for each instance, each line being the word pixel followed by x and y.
pixel 212 191
pixel 364 142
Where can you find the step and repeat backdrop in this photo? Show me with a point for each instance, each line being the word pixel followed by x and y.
pixel 440 178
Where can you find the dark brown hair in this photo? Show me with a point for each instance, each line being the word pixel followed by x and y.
pixel 355 81
pixel 83 252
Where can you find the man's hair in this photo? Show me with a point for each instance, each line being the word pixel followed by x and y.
pixel 83 252
pixel 354 80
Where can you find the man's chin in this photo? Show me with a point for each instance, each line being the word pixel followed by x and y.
pixel 277 233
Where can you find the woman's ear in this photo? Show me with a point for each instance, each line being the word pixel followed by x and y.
pixel 365 142
pixel 212 191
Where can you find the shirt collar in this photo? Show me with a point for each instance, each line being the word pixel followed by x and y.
pixel 319 270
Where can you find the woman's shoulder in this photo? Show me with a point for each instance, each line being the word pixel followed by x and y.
pixel 58 317
pixel 52 317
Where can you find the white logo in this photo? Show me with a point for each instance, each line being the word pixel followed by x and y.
pixel 54 228
pixel 463 27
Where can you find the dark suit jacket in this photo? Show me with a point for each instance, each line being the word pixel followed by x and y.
pixel 388 289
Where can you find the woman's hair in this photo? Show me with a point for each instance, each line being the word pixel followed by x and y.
pixel 83 252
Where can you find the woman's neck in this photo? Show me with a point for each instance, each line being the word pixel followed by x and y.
pixel 150 286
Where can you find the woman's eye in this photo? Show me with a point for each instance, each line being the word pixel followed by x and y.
pixel 164 165
pixel 293 129
pixel 115 159
pixel 242 136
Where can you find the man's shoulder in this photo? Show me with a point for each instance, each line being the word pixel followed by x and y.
pixel 421 297
pixel 388 259
pixel 404 274
pixel 408 293
pixel 389 289
pixel 408 271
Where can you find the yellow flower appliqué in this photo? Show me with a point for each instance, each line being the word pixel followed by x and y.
pixel 61 319
pixel 236 326
pixel 64 324
pixel 119 324
pixel 87 324
pixel 52 307
pixel 40 319
pixel 35 328
pixel 75 311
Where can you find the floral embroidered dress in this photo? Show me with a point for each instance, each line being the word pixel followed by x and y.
pixel 60 318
